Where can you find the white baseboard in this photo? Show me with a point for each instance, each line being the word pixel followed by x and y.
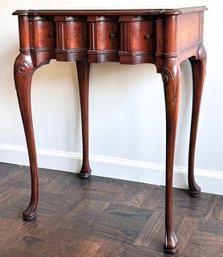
pixel 139 171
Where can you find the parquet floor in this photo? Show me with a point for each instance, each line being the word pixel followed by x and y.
pixel 102 217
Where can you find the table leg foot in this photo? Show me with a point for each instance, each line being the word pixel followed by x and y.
pixel 195 191
pixel 84 174
pixel 171 245
pixel 29 214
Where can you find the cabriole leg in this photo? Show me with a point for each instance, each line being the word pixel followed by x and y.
pixel 23 71
pixel 83 71
pixel 198 65
pixel 171 80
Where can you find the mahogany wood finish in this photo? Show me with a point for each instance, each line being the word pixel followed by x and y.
pixel 164 37
pixel 23 74
pixel 83 71
pixel 198 69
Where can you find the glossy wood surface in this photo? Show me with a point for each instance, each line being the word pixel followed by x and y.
pixel 164 37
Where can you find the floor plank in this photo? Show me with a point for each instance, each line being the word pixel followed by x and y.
pixel 102 217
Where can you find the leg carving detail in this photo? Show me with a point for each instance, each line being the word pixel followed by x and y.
pixel 23 71
pixel 198 65
pixel 83 70
pixel 171 80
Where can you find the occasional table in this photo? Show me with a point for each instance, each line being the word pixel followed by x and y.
pixel 164 37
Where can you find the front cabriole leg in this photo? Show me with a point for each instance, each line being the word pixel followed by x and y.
pixel 171 80
pixel 23 71
pixel 198 65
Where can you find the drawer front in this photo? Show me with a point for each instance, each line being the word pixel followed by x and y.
pixel 75 34
pixel 137 42
pixel 41 29
pixel 124 39
pixel 70 32
pixel 104 38
pixel 140 36
pixel 71 38
pixel 41 39
pixel 103 33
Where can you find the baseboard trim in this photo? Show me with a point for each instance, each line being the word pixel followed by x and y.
pixel 120 168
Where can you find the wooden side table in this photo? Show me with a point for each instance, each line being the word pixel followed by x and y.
pixel 164 37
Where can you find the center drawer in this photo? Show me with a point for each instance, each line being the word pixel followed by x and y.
pixel 103 38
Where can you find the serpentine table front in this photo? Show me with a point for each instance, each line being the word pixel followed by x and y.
pixel 164 37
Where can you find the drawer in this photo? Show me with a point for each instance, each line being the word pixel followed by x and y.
pixel 41 38
pixel 104 38
pixel 137 42
pixel 41 30
pixel 71 38
pixel 140 36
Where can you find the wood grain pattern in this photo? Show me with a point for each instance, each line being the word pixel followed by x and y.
pixel 98 218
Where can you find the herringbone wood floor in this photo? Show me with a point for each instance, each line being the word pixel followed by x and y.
pixel 102 217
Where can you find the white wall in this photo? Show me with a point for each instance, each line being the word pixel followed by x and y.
pixel 127 119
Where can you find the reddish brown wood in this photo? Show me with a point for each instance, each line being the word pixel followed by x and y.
pixel 71 38
pixel 104 42
pixel 83 71
pixel 137 39
pixel 196 34
pixel 171 80
pixel 164 12
pixel 198 64
pixel 41 39
pixel 23 71
pixel 164 37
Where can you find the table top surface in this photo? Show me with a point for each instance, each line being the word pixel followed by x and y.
pixel 156 11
